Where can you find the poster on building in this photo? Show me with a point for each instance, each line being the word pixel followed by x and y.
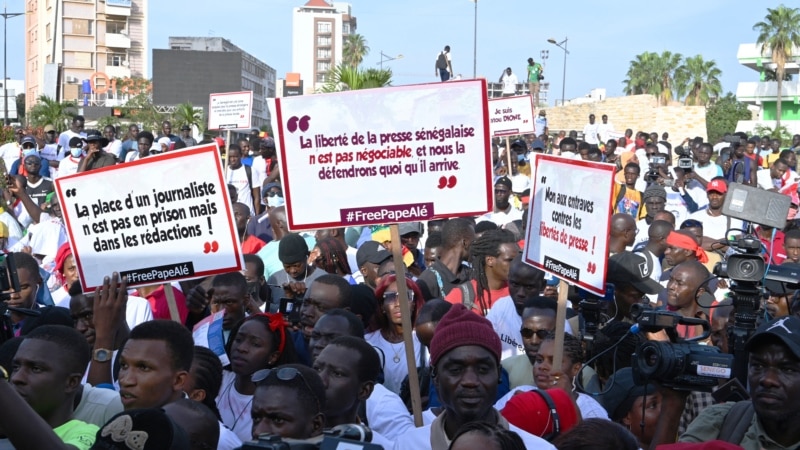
pixel 230 110
pixel 511 116
pixel 395 154
pixel 569 219
pixel 159 219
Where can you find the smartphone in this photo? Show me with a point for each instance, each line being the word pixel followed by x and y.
pixel 290 308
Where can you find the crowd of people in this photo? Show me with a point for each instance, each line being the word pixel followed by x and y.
pixel 310 335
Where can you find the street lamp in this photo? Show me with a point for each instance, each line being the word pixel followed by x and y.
pixel 563 46
pixel 6 15
pixel 387 58
pixel 475 43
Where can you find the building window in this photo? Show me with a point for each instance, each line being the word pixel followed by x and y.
pixel 323 27
pixel 116 26
pixel 115 59
pixel 345 27
pixel 83 60
pixel 79 26
pixel 323 41
pixel 47 32
pixel 322 77
pixel 323 66
pixel 323 53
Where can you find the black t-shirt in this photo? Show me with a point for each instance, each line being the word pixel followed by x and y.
pixel 38 192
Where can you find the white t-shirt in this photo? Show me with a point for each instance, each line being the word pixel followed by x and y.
pixel 238 178
pixel 395 368
pixel 708 172
pixel 588 406
pixel 590 133
pixel 234 408
pixel 14 230
pixel 387 414
pixel 715 227
pixel 420 438
pixel 228 440
pixel 507 323
pixel 765 180
pixel 259 171
pixel 68 166
pixel 503 217
pixel 509 83
pixel 114 147
pixel 64 138
pixel 603 129
pixel 10 153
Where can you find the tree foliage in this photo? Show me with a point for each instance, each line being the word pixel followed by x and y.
pixel 700 80
pixel 140 109
pixel 777 34
pixel 669 76
pixel 354 50
pixel 779 132
pixel 50 112
pixel 723 115
pixel 186 114
pixel 347 78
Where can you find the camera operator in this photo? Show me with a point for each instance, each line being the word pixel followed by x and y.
pixel 704 170
pixel 684 194
pixel 630 275
pixel 769 419
pixel 739 168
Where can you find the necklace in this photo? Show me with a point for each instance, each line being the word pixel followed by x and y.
pixel 228 389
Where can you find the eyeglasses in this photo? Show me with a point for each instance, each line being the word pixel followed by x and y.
pixel 272 194
pixel 527 333
pixel 284 374
pixel 392 297
pixel 28 146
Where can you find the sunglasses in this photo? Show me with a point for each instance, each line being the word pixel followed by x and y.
pixel 283 374
pixel 392 297
pixel 527 333
pixel 272 194
pixel 28 146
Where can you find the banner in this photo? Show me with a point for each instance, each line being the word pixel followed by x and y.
pixel 569 219
pixel 511 116
pixel 155 220
pixel 387 155
pixel 230 110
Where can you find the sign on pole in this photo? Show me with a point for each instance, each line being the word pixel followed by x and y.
pixel 569 218
pixel 159 219
pixel 230 110
pixel 510 116
pixel 388 155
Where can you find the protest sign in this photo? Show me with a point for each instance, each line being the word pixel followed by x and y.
pixel 230 110
pixel 158 219
pixel 389 155
pixel 510 116
pixel 569 218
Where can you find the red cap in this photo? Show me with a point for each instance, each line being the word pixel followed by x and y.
pixel 717 186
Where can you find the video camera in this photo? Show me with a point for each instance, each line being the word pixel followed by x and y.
pixel 593 312
pixel 685 160
pixel 655 162
pixel 350 436
pixel 683 365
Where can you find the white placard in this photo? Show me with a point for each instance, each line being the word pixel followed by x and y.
pixel 510 116
pixel 158 219
pixel 569 219
pixel 230 110
pixel 387 155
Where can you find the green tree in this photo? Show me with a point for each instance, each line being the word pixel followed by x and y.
pixel 140 109
pixel 779 132
pixel 105 121
pixel 50 112
pixel 186 114
pixel 354 50
pixel 699 80
pixel 651 73
pixel 777 33
pixel 723 115
pixel 21 107
pixel 347 78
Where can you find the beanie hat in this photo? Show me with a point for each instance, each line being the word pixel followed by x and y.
pixel 654 190
pixel 292 249
pixel 530 412
pixel 462 327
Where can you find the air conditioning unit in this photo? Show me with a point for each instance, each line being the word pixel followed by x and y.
pixel 72 79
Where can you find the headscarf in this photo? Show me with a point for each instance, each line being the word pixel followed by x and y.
pixel 683 241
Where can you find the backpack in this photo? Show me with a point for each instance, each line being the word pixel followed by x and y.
pixel 737 422
pixel 441 61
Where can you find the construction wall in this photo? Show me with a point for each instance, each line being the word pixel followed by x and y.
pixel 637 112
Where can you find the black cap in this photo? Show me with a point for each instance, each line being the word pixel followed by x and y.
pixel 629 268
pixel 186 128
pixel 622 392
pixel 292 249
pixel 505 181
pixel 786 328
pixel 371 251
pixel 519 144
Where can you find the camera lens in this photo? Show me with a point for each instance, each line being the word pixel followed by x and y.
pixel 747 268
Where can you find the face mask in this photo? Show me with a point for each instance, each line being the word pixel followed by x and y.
pixel 28 152
pixel 274 202
pixel 75 152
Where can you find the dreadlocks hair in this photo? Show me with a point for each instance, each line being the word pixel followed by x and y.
pixel 333 254
pixel 573 347
pixel 207 371
pixel 487 245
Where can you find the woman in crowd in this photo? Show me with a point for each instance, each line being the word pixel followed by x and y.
pixel 202 386
pixel 330 255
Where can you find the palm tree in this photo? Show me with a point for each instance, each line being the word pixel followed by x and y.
pixel 348 78
pixel 50 112
pixel 354 50
pixel 640 75
pixel 187 114
pixel 651 73
pixel 777 34
pixel 699 80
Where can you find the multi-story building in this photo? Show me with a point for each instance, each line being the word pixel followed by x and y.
pixel 225 68
pixel 764 94
pixel 75 49
pixel 319 29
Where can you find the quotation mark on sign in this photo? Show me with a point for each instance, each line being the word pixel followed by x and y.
pixel 447 182
pixel 71 192
pixel 210 247
pixel 298 122
pixel 544 180
pixel 591 268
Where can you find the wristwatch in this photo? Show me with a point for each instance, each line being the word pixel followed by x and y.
pixel 102 355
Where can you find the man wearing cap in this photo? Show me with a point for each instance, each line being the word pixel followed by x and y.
pixel 29 147
pixel 259 226
pixel 540 123
pixel 410 233
pixel 297 275
pixel 369 256
pixel 535 75
pixel 96 157
pixel 654 199
pixel 769 419
pixel 504 212
pixel 186 136
pixel 630 275
pixel 715 223
pixel 74 154
pixel 465 360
